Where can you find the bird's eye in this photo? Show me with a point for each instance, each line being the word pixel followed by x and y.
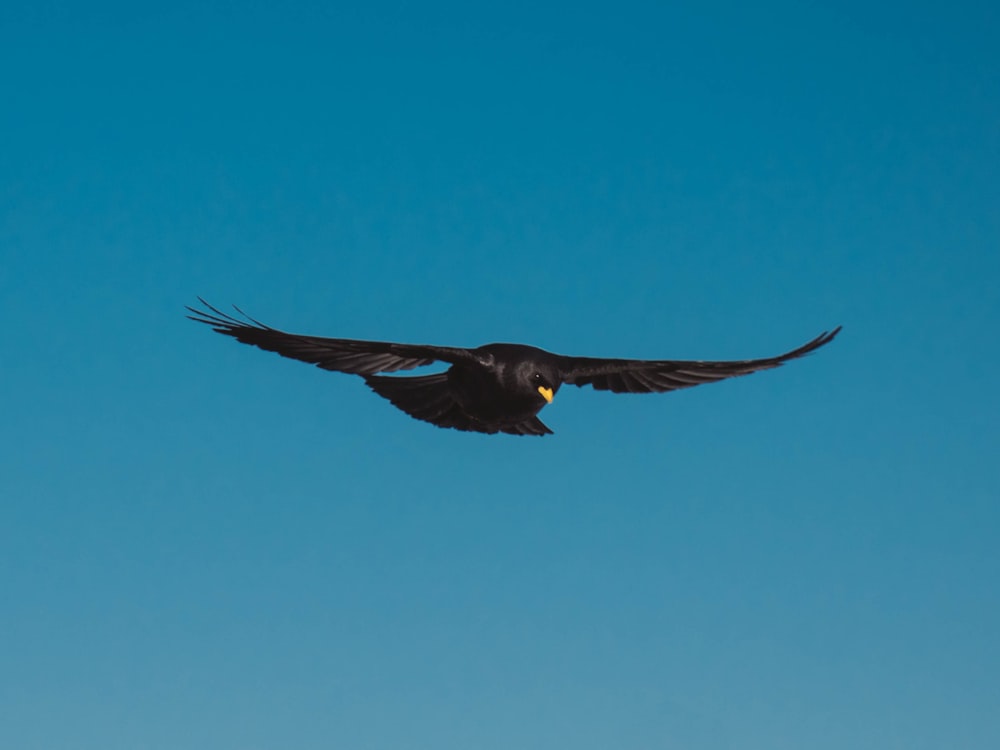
pixel 537 376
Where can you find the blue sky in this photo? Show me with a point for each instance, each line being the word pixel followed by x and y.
pixel 206 546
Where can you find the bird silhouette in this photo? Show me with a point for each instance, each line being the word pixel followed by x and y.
pixel 492 388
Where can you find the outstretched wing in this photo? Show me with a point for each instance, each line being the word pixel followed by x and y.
pixel 340 355
pixel 657 376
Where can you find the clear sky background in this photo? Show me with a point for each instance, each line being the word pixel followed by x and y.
pixel 203 545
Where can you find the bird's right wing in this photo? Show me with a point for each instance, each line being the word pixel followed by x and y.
pixel 657 376
pixel 340 355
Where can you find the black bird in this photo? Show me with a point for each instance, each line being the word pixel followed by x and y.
pixel 493 388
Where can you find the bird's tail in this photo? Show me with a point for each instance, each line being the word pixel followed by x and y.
pixel 426 397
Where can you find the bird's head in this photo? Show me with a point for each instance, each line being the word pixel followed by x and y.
pixel 545 382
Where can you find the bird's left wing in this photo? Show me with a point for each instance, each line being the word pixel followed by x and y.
pixel 657 376
pixel 340 355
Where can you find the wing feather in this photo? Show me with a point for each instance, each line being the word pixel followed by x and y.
pixel 658 376
pixel 340 355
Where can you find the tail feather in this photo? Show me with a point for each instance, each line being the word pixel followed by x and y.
pixel 427 397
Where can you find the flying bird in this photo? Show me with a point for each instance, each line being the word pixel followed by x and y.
pixel 492 388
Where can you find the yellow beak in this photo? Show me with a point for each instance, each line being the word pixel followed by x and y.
pixel 546 393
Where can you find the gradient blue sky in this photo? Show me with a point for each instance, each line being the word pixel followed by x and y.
pixel 206 546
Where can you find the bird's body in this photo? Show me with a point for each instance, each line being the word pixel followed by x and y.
pixel 497 392
pixel 492 388
pixel 502 391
